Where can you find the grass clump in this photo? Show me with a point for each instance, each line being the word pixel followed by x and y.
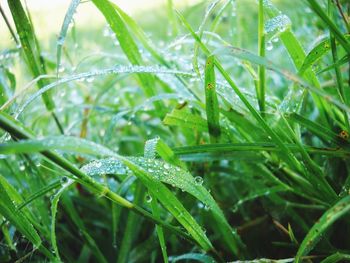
pixel 222 136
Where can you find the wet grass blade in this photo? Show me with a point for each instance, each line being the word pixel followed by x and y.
pixel 326 220
pixel 54 203
pixel 18 218
pixel 338 74
pixel 68 19
pixel 315 6
pixel 336 257
pixel 260 92
pixel 319 130
pixel 211 101
pixel 297 54
pixel 132 227
pixel 246 55
pixel 128 45
pixel 8 124
pixel 27 39
pixel 217 149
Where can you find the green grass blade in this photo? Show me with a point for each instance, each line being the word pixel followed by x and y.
pixel 160 232
pixel 132 227
pixel 338 74
pixel 260 92
pixel 246 55
pixel 336 257
pixel 186 119
pixel 127 44
pixel 172 204
pixel 177 177
pixel 315 6
pixel 193 256
pixel 319 130
pixel 54 203
pixel 224 148
pixel 39 193
pixel 297 54
pixel 287 154
pixel 63 143
pixel 68 19
pixel 17 218
pixel 326 220
pixel 27 39
pixel 79 223
pixel 211 101
pixel 10 125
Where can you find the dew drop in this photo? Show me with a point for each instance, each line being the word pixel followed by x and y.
pixel 64 179
pixel 148 198
pixel 61 69
pixel 22 167
pixel 98 164
pixel 269 45
pixel 198 180
pixel 166 166
pixel 90 79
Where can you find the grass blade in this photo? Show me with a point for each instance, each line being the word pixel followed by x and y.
pixel 211 101
pixel 54 203
pixel 315 6
pixel 128 45
pixel 260 92
pixel 326 220
pixel 68 19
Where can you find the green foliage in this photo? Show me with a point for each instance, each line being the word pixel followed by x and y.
pixel 213 132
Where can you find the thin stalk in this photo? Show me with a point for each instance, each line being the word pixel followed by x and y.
pixel 338 74
pixel 260 92
pixel 346 20
pixel 9 26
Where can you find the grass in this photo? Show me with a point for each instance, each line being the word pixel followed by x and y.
pixel 214 133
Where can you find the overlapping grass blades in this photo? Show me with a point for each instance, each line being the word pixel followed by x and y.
pixel 327 219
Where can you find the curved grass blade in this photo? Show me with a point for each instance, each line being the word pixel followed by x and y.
pixel 113 70
pixel 319 130
pixel 63 143
pixel 211 101
pixel 39 193
pixel 152 173
pixel 246 55
pixel 260 92
pixel 160 232
pixel 186 119
pixel 128 46
pixel 252 147
pixel 168 199
pixel 297 54
pixel 316 53
pixel 68 18
pixel 54 203
pixel 326 220
pixel 315 6
pixel 287 154
pixel 10 125
pixel 336 257
pixel 131 229
pixel 193 256
pixel 8 197
pixel 342 61
pixel 160 171
pixel 28 43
